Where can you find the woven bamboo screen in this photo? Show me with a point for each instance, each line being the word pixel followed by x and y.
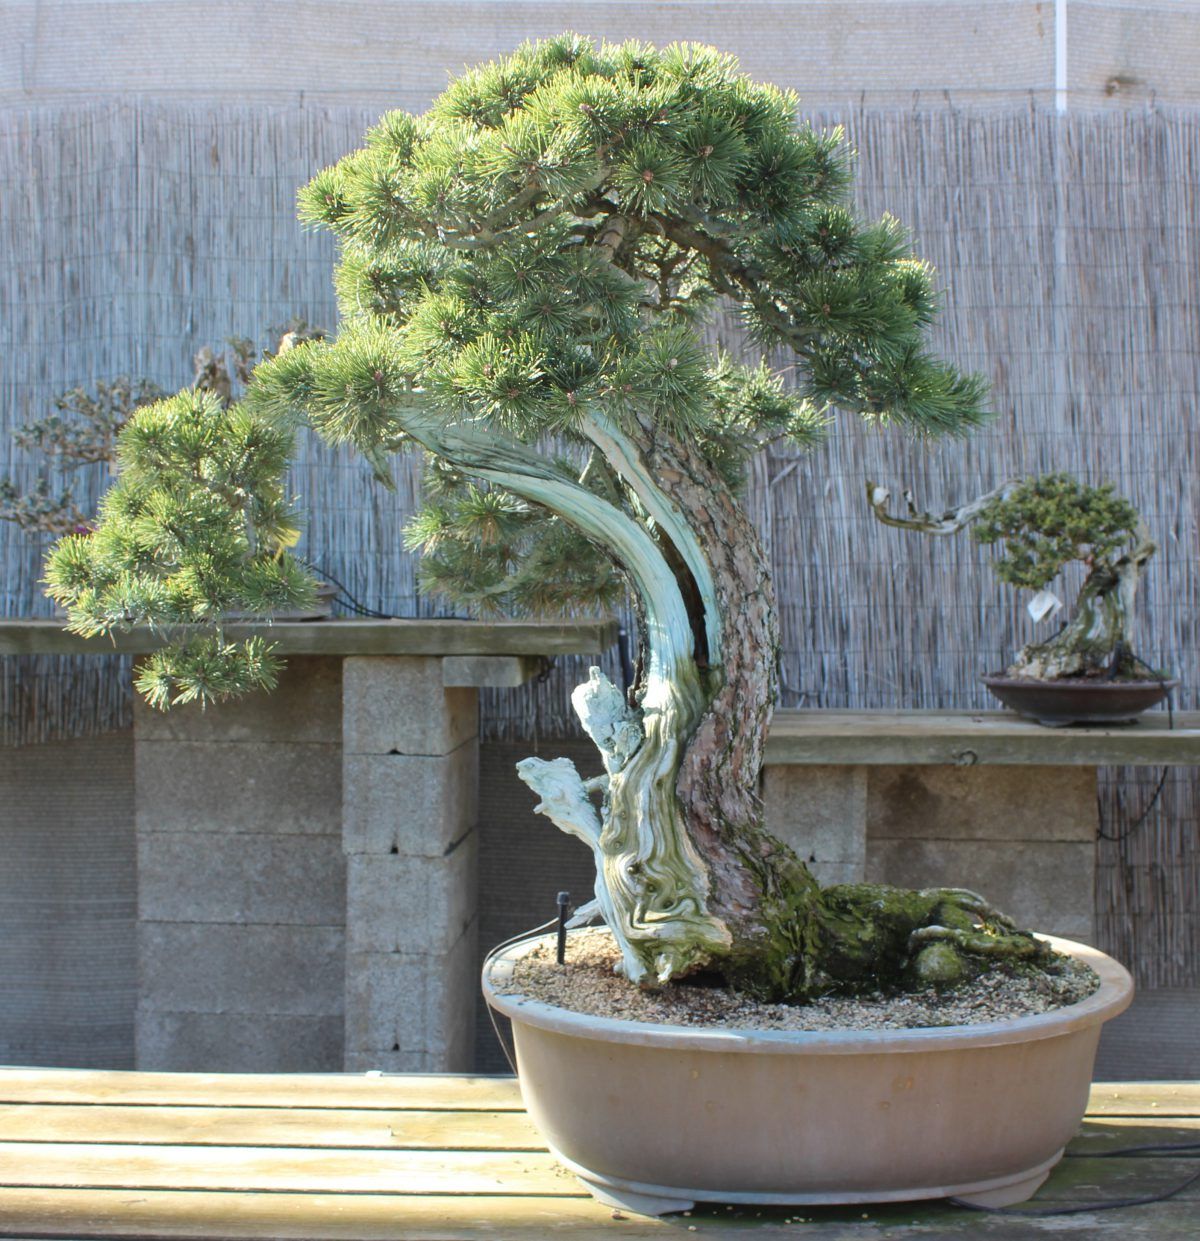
pixel 132 235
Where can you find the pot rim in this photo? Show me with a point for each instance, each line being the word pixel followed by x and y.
pixel 1078 684
pixel 1112 997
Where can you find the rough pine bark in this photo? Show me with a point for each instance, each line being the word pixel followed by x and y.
pixel 762 891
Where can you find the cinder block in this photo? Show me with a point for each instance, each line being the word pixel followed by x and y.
pixel 82 1042
pixel 500 671
pixel 410 904
pixel 273 787
pixel 218 968
pixel 397 704
pixel 407 1012
pixel 981 803
pixel 820 811
pixel 1154 1039
pixel 306 706
pixel 238 1043
pixel 220 877
pixel 1044 885
pixel 416 805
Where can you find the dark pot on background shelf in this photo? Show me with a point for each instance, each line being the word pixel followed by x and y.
pixel 1077 700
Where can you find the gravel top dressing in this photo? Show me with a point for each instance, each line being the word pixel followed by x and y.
pixel 587 984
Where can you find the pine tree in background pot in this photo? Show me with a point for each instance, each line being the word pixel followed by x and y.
pixel 1088 671
pixel 523 278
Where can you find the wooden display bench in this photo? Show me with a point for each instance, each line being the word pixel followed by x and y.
pixel 379 1158
pixel 947 798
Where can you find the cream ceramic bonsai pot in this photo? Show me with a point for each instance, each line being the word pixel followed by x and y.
pixel 654 1118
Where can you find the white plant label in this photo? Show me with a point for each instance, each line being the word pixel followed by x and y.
pixel 1044 603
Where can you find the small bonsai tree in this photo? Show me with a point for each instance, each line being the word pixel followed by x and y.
pixel 1041 525
pixel 523 277
pixel 84 427
pixel 81 432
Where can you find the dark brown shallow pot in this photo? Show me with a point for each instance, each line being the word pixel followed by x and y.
pixel 1077 701
pixel 653 1118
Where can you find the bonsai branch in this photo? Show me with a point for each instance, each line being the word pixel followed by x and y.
pixel 950 522
pixel 625 457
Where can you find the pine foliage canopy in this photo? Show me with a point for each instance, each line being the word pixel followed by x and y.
pixel 544 241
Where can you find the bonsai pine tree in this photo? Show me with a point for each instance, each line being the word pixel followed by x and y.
pixel 524 274
pixel 1042 524
pixel 84 428
pixel 81 432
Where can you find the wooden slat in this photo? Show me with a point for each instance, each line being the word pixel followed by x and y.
pixel 400 1130
pixel 1145 1099
pixel 1100 1133
pixel 87 1214
pixel 78 1165
pixel 316 1127
pixel 314 1217
pixel 418 1091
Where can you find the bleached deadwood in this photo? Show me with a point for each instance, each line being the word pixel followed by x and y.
pixel 652 882
pixel 950 522
pixel 565 802
pixel 606 717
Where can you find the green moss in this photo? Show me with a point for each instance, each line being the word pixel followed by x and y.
pixel 866 938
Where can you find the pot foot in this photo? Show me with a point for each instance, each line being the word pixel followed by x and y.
pixel 1005 1195
pixel 630 1200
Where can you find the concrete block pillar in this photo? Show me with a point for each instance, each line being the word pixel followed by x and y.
pixel 241 887
pixel 821 812
pixel 410 761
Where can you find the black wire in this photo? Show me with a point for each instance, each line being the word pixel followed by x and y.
pixel 1101 834
pixel 505 1040
pixel 1165 1148
pixel 344 597
pixel 1084 1208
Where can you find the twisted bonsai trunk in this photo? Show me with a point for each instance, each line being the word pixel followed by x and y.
pixel 762 892
pixel 1099 635
pixel 789 938
pixel 687 876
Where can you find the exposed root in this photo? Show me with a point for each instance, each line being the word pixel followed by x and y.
pixel 867 937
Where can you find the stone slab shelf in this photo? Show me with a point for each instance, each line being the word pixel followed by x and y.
pixel 476 654
pixel 965 738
